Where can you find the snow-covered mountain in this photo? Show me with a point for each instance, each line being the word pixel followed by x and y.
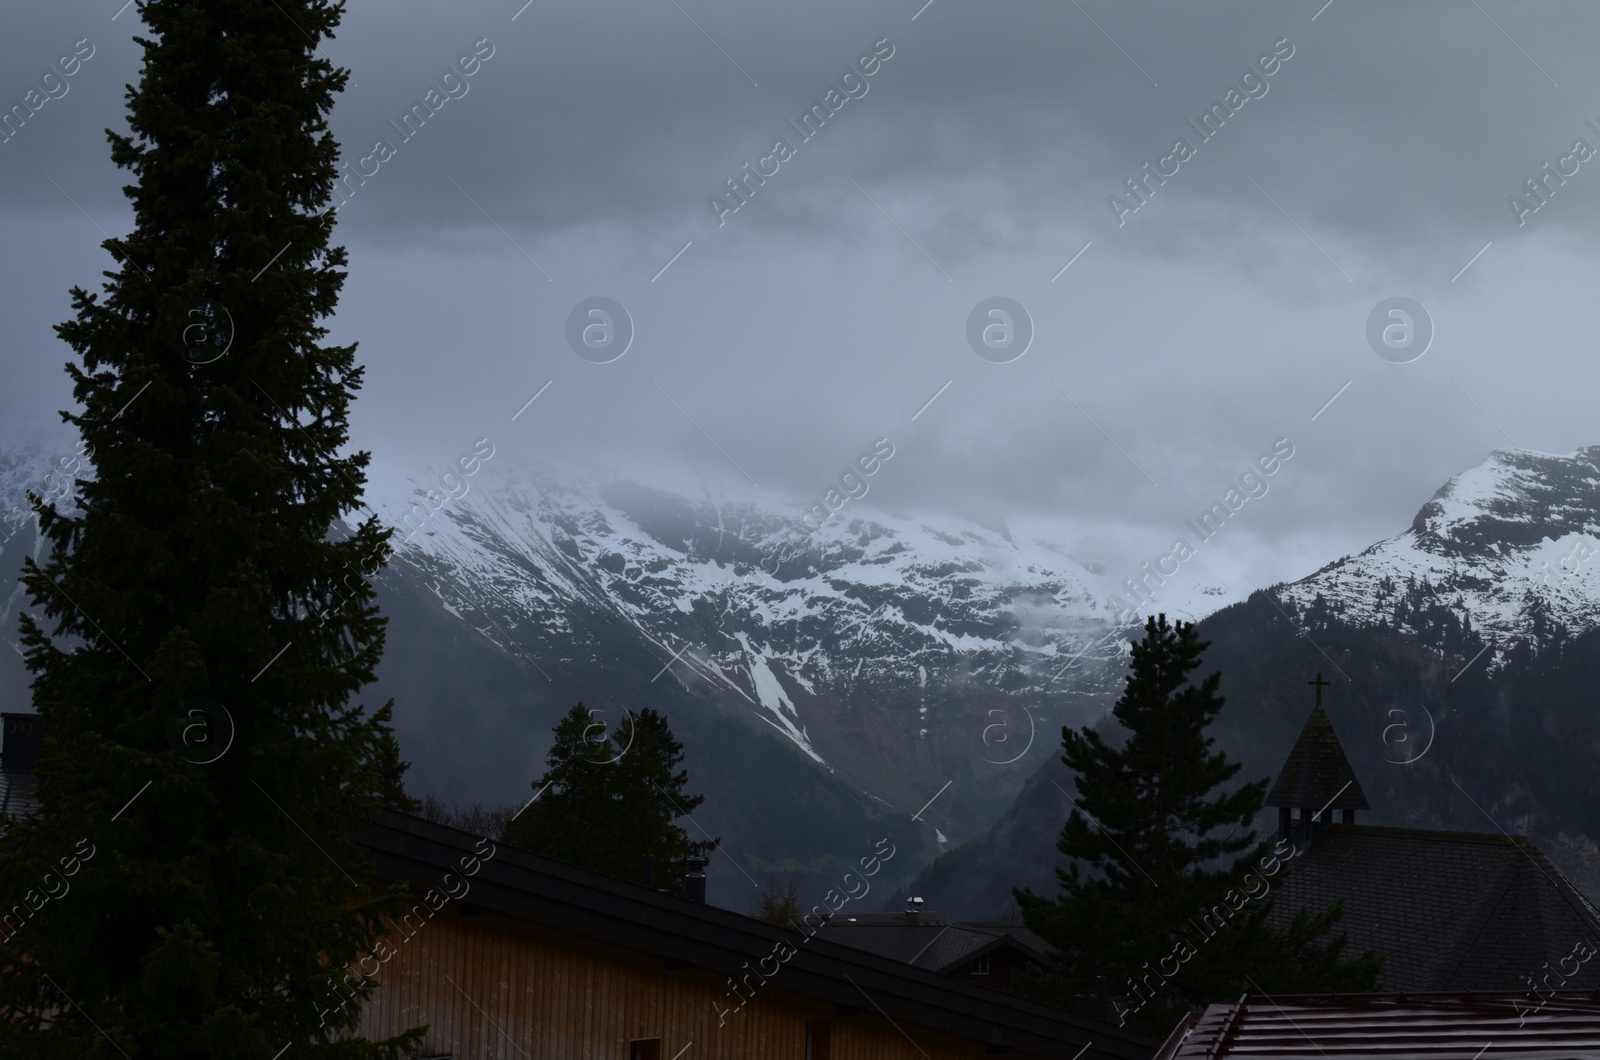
pixel 881 662
pixel 747 604
pixel 1511 547
pixel 1508 549
pixel 907 672
pixel 923 615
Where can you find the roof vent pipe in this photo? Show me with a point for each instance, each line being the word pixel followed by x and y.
pixel 694 881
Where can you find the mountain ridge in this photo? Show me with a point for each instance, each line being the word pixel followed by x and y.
pixel 889 668
pixel 1499 562
pixel 1507 547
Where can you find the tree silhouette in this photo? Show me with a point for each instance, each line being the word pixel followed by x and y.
pixel 206 611
pixel 608 800
pixel 1153 836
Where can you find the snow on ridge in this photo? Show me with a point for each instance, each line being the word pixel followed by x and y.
pixel 1519 532
pixel 871 596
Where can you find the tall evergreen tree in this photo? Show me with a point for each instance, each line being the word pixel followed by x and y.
pixel 202 577
pixel 1145 825
pixel 779 904
pixel 608 800
pixel 574 816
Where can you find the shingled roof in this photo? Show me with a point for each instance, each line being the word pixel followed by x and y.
pixel 19 749
pixel 1317 775
pixel 1448 910
pixel 1400 1028
pixel 931 942
pixel 17 795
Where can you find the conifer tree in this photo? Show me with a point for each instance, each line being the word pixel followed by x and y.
pixel 780 904
pixel 608 800
pixel 1145 824
pixel 206 615
pixel 574 816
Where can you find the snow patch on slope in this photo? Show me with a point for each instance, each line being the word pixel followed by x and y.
pixel 769 690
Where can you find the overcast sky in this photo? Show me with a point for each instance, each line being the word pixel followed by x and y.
pixel 1223 314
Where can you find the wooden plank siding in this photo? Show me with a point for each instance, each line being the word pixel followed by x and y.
pixel 549 960
pixel 497 988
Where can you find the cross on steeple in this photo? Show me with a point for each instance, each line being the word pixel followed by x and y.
pixel 1316 778
pixel 1320 685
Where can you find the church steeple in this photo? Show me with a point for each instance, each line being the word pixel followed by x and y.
pixel 1316 777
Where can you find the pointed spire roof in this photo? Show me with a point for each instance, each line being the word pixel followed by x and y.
pixel 1317 775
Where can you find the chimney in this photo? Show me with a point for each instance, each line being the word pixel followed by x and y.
pixel 913 910
pixel 694 881
pixel 647 871
pixel 1098 1004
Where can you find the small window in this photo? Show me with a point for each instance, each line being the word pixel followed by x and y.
pixel 819 1041
pixel 644 1049
pixel 980 965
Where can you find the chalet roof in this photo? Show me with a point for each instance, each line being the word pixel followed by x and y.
pixel 1448 910
pixel 1317 775
pixel 1409 1027
pixel 17 795
pixel 688 934
pixel 19 749
pixel 931 942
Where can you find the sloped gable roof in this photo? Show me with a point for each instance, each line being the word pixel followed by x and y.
pixel 1317 774
pixel 931 942
pixel 529 887
pixel 1448 910
pixel 17 795
pixel 1404 1028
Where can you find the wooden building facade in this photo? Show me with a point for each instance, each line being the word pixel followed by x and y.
pixel 509 955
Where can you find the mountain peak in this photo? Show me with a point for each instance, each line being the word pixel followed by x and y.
pixel 1515 498
pixel 1507 547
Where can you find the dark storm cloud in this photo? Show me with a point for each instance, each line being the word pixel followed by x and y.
pixel 1221 314
pixel 1394 129
pixel 1391 123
